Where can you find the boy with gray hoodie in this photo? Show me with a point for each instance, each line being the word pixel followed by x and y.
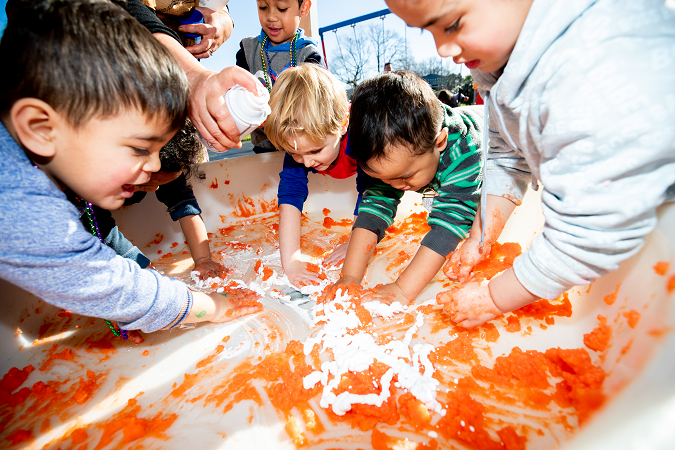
pixel 604 166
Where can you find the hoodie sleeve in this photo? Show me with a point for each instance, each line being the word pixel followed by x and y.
pixel 606 164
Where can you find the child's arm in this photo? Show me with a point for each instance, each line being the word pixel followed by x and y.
pixel 469 253
pixel 197 239
pixel 361 247
pixel 475 303
pixel 289 246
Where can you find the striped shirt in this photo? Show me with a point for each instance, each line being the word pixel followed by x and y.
pixel 457 184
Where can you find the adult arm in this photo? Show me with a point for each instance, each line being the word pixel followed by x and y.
pixel 206 105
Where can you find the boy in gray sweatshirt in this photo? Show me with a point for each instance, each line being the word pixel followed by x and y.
pixel 93 118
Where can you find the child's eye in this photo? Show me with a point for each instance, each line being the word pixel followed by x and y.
pixel 452 28
pixel 283 9
pixel 314 152
pixel 262 8
pixel 141 151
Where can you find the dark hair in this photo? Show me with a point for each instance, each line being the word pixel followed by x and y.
pixel 445 96
pixel 182 151
pixel 393 108
pixel 86 59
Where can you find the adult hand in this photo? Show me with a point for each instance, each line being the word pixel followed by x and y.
pixel 215 30
pixel 206 106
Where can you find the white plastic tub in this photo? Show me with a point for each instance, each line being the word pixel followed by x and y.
pixel 639 413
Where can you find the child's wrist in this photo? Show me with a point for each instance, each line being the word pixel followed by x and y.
pixel 507 293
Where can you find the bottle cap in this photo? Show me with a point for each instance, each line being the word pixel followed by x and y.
pixel 248 110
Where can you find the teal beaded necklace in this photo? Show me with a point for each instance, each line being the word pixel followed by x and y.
pixel 93 227
pixel 266 63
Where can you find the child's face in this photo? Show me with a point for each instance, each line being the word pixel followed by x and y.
pixel 281 18
pixel 312 155
pixel 478 33
pixel 403 170
pixel 103 160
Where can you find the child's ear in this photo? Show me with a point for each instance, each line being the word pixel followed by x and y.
pixel 345 126
pixel 34 124
pixel 304 9
pixel 442 139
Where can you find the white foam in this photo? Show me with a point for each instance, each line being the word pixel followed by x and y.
pixel 356 352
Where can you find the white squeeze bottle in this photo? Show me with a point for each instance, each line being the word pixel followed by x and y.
pixel 246 109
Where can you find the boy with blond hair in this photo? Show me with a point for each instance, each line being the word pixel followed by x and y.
pixel 309 121
pixel 78 125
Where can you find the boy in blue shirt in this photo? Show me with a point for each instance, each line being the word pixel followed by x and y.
pixel 93 118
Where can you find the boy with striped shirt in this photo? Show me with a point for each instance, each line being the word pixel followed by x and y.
pixel 408 141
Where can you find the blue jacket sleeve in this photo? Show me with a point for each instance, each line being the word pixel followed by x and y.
pixel 178 198
pixel 293 183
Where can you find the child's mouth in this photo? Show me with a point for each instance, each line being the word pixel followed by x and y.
pixel 472 64
pixel 274 31
pixel 127 190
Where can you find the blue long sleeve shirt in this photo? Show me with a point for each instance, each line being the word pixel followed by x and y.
pixel 45 250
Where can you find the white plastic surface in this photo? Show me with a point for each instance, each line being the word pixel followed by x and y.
pixel 639 413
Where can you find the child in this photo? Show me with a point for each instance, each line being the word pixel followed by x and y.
pixel 409 141
pixel 605 166
pixel 177 159
pixel 309 120
pixel 281 44
pixel 78 124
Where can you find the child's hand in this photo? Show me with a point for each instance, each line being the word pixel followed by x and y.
pixel 468 253
pixel 231 306
pixel 470 305
pixel 337 258
pixel 209 268
pixel 297 273
pixel 388 294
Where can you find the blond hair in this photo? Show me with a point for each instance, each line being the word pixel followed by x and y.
pixel 306 99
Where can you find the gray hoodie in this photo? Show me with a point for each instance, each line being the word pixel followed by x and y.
pixel 565 113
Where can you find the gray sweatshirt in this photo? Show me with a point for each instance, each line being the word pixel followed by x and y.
pixel 565 112
pixel 45 250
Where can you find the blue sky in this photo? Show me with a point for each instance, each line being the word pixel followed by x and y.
pixel 246 21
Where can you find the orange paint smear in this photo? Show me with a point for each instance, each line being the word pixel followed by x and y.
pixel 247 207
pixel 52 354
pixel 326 211
pixel 328 222
pixel 543 309
pixel 611 298
pixel 500 258
pixel 214 184
pixel 633 317
pixel 133 427
pixel 158 238
pixel 670 287
pixel 599 338
pixel 661 267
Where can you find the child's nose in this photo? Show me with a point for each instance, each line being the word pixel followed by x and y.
pixel 447 48
pixel 153 164
pixel 308 161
